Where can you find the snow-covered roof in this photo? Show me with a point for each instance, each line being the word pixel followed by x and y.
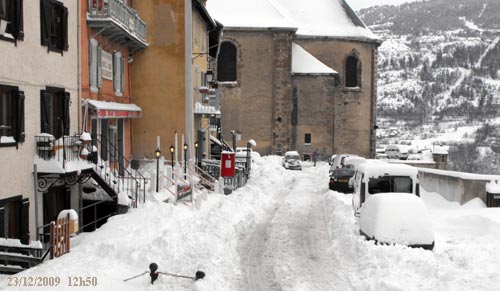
pixel 305 63
pixel 248 14
pixel 332 18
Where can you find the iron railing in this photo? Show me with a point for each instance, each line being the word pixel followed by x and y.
pixel 113 168
pixel 119 12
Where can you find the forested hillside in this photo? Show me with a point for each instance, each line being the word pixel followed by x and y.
pixel 439 67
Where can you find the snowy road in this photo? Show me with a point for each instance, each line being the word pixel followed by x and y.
pixel 283 231
pixel 292 248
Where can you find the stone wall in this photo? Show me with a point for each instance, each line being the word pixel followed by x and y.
pixel 259 103
pixel 313 102
pixel 354 107
pixel 455 186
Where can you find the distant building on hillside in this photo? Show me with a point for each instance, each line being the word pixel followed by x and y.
pixel 296 75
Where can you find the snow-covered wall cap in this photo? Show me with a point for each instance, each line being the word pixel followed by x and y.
pixel 205 109
pixel 440 150
pixel 252 142
pixel 85 136
pixel 331 18
pixel 247 14
pixel 305 63
pixel 64 213
pixel 493 187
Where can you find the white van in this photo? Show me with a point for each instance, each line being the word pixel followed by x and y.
pixel 376 176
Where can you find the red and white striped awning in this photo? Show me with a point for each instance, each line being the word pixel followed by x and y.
pixel 114 109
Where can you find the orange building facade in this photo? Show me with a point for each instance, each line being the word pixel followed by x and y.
pixel 112 32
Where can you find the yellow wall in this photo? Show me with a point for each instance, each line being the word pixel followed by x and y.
pixel 158 77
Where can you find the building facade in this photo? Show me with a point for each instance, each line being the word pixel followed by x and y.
pixel 168 78
pixel 264 99
pixel 39 95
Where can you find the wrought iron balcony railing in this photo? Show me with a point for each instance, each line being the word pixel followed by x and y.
pixel 117 21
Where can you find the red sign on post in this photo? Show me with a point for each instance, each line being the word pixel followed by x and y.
pixel 227 164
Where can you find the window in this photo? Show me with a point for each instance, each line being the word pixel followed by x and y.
pixel 14 218
pixel 386 184
pixel 226 63
pixel 307 138
pixel 54 105
pixel 11 115
pixel 118 74
pixel 352 72
pixel 11 19
pixel 54 25
pixel 95 70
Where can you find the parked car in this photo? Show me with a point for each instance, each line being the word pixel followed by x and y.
pixel 375 176
pixel 330 160
pixel 392 151
pixel 396 218
pixel 339 180
pixel 291 161
pixel 338 161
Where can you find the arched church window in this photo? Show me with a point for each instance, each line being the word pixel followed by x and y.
pixel 352 72
pixel 226 62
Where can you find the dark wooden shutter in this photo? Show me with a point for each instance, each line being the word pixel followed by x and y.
pixel 25 221
pixel 20 20
pixel 45 22
pixel 65 112
pixel 19 133
pixel 65 28
pixel 44 112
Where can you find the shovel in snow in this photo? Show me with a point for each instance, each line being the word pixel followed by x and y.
pixel 153 267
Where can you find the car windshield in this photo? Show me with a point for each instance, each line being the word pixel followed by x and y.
pixel 388 184
pixel 292 157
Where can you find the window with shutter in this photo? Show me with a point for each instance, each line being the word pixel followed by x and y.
pixel 11 210
pixel 11 20
pixel 54 112
pixel 54 25
pixel 226 62
pixel 11 116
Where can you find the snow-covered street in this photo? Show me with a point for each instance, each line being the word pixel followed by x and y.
pixel 283 231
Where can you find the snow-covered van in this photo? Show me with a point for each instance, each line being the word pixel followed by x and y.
pixel 376 176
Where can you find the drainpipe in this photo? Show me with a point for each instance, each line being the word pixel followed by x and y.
pixel 78 35
pixel 188 60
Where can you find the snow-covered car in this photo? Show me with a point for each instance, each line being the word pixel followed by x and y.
pixel 338 162
pixel 374 177
pixel 339 180
pixel 291 161
pixel 396 218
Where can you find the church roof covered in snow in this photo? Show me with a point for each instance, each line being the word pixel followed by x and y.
pixel 330 18
pixel 305 63
pixel 248 14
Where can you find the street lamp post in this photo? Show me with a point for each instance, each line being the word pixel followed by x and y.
pixel 172 149
pixel 196 153
pixel 158 154
pixel 185 160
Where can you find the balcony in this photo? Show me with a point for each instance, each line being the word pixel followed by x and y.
pixel 118 22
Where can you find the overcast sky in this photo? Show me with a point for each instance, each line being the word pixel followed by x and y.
pixel 358 4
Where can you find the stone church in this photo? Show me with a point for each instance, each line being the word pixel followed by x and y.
pixel 297 75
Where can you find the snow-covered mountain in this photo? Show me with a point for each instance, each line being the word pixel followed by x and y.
pixel 439 69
